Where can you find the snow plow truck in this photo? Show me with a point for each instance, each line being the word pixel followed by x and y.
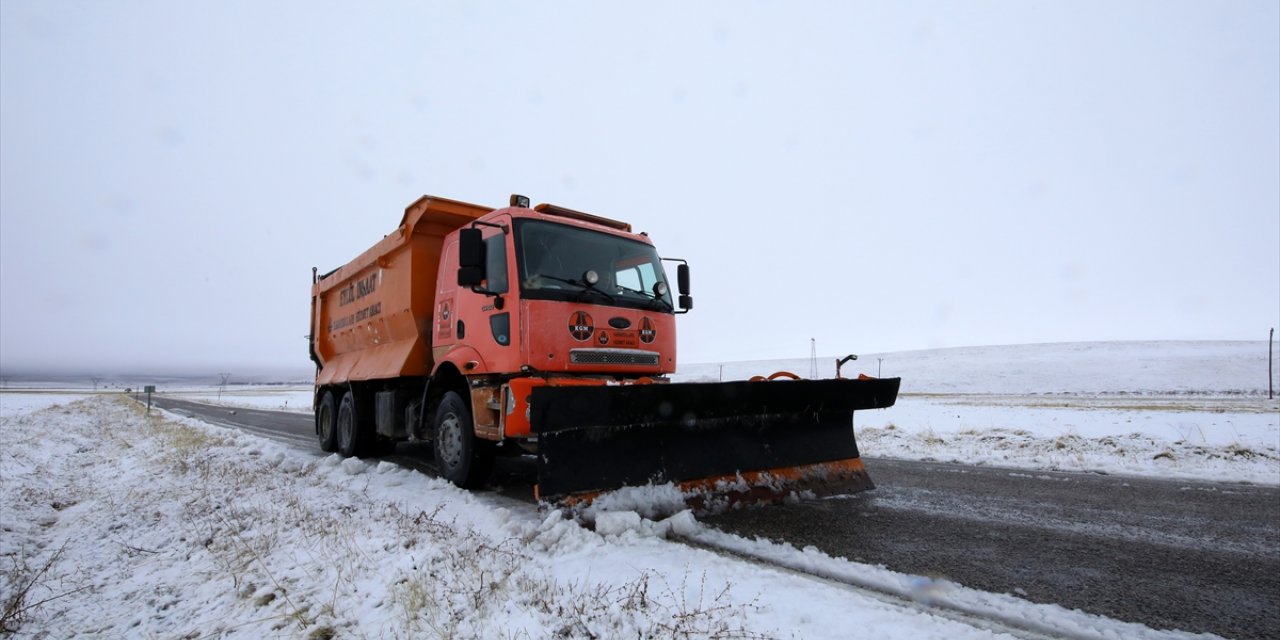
pixel 549 332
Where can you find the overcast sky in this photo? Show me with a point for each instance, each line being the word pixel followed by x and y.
pixel 877 176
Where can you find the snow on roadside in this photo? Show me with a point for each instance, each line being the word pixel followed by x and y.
pixel 127 524
pixel 1236 443
pixel 291 398
pixel 13 404
pixel 1232 368
pixel 1193 410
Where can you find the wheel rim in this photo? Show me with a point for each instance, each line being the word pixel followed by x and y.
pixel 346 429
pixel 449 441
pixel 326 423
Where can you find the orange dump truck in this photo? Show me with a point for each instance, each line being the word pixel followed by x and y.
pixel 549 332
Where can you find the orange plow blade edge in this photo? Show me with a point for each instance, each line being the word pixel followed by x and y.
pixel 753 441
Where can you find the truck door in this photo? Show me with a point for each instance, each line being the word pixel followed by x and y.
pixel 497 327
pixel 483 321
pixel 446 293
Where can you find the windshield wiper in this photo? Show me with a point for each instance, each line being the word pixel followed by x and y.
pixel 586 287
pixel 650 297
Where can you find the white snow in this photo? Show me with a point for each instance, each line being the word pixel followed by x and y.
pixel 292 398
pixel 1165 368
pixel 181 529
pixel 1234 442
pixel 19 403
pixel 119 524
pixel 1194 410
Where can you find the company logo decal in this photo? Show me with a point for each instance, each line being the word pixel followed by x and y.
pixel 580 326
pixel 647 332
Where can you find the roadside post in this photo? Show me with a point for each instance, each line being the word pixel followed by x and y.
pixel 151 388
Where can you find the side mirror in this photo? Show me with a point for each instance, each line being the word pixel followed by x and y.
pixel 682 280
pixel 470 258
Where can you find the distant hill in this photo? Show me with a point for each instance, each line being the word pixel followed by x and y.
pixel 78 381
pixel 1082 367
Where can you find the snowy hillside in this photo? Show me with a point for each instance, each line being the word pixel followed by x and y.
pixel 1084 367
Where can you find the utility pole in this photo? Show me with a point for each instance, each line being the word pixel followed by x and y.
pixel 225 377
pixel 813 358
pixel 1271 385
pixel 879 367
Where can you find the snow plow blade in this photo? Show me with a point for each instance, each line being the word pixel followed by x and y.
pixel 742 440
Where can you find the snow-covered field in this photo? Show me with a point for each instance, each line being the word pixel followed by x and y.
pixel 1196 410
pixel 1235 441
pixel 1104 368
pixel 118 524
pixel 115 523
pixel 293 398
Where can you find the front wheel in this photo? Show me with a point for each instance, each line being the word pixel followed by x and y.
pixel 461 458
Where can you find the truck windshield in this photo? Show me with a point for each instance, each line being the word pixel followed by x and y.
pixel 553 259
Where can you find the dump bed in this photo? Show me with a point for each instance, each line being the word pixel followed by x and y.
pixel 369 317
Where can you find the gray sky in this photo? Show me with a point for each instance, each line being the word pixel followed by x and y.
pixel 877 176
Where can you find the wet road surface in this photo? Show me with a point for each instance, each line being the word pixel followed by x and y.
pixel 1199 557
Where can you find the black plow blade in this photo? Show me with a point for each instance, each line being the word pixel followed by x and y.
pixel 761 434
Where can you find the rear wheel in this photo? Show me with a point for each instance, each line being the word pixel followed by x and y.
pixel 461 458
pixel 327 422
pixel 351 437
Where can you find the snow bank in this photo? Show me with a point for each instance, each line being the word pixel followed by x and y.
pixel 1237 441
pixel 177 528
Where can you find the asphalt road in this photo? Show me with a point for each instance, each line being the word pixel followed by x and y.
pixel 1200 557
pixel 1172 555
pixel 294 428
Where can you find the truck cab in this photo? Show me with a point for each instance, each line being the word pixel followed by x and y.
pixel 548 296
pixel 551 291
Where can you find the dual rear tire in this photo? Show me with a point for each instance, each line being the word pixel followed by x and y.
pixel 460 457
pixel 353 434
pixel 340 428
pixel 327 422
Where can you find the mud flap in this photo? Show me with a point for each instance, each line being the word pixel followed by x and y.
pixel 594 439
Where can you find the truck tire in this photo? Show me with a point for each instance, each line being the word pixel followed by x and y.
pixel 352 435
pixel 327 422
pixel 460 457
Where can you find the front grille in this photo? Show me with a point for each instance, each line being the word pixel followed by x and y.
pixel 613 356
